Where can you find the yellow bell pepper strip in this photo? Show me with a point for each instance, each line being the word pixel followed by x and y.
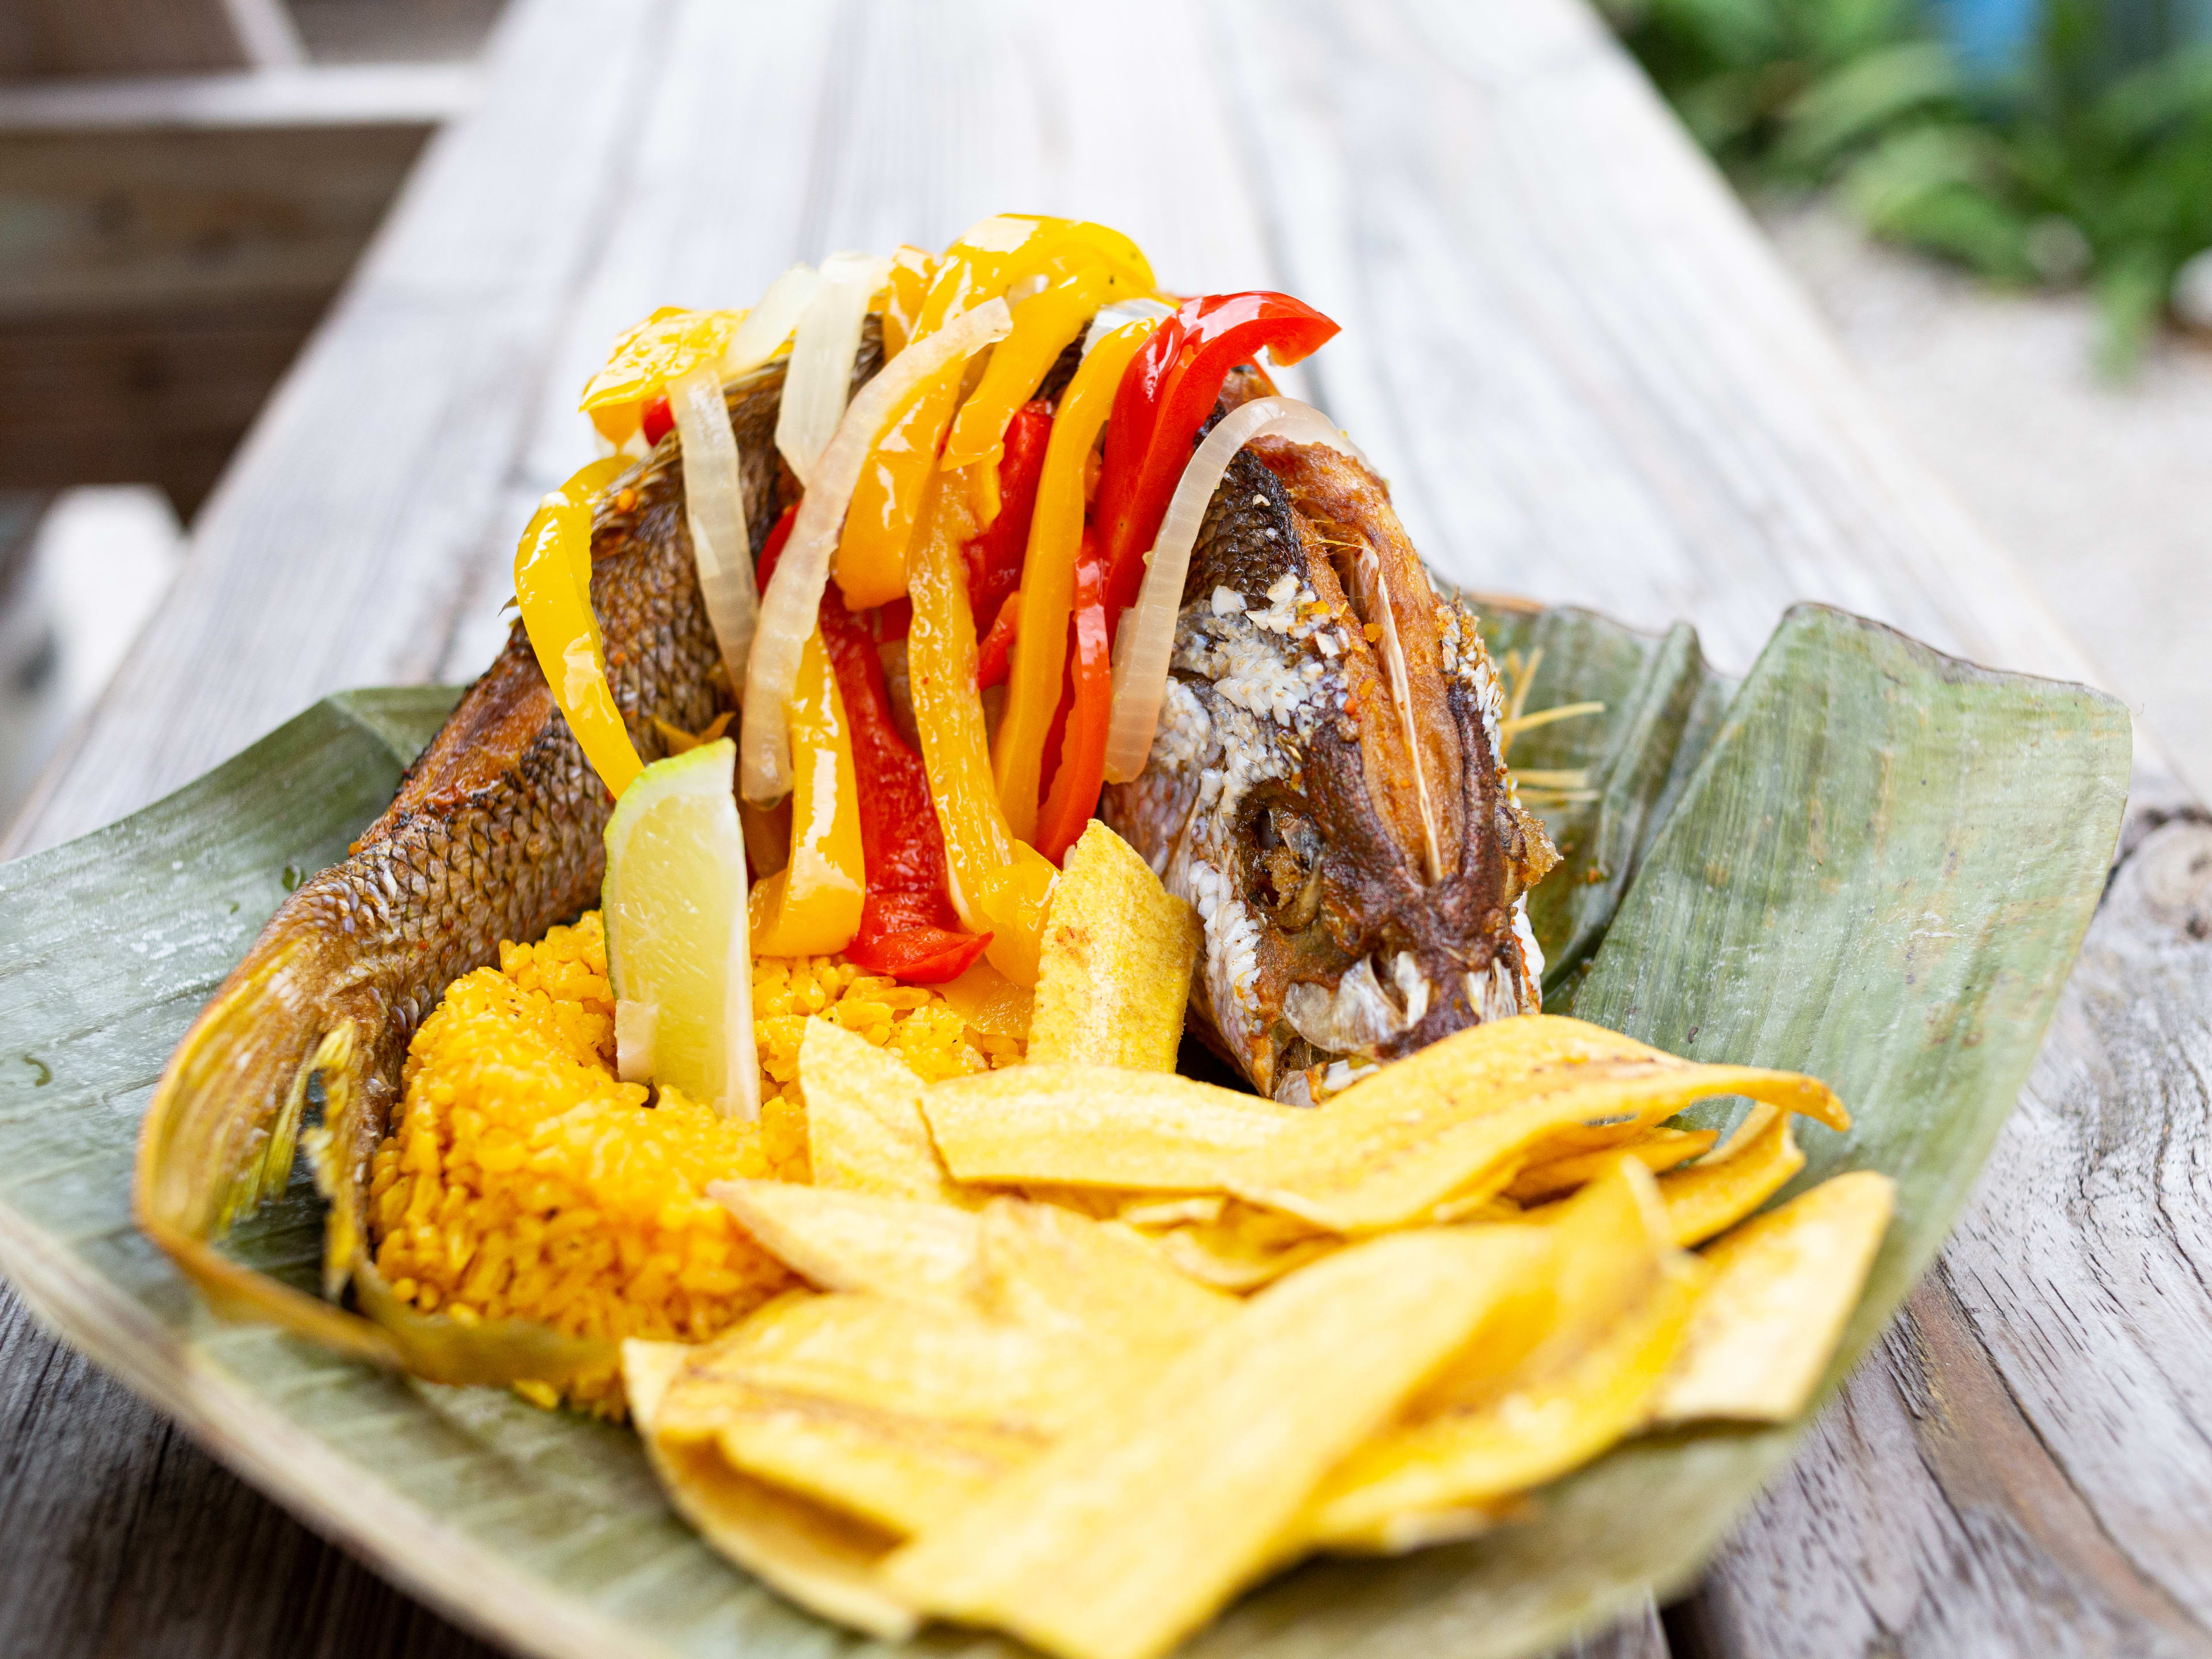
pixel 1039 656
pixel 553 588
pixel 911 270
pixel 873 548
pixel 1044 324
pixel 991 878
pixel 994 253
pixel 1015 900
pixel 645 358
pixel 811 906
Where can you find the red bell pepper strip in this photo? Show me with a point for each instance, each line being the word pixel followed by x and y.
pixel 1081 772
pixel 1163 401
pixel 995 654
pixel 658 420
pixel 772 549
pixel 994 557
pixel 909 928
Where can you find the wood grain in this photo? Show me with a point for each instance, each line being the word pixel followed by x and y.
pixel 1634 410
pixel 2025 1468
pixel 1566 345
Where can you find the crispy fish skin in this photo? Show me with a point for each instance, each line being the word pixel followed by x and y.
pixel 1341 820
pixel 495 834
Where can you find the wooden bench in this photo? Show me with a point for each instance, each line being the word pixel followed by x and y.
pixel 1570 350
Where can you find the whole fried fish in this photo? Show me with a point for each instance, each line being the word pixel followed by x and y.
pixel 495 834
pixel 1325 786
pixel 1361 886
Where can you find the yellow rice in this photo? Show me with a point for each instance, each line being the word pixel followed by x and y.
pixel 523 1181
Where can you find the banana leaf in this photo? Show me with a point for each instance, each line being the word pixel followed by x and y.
pixel 1871 862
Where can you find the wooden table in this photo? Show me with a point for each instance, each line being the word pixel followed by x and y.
pixel 1570 349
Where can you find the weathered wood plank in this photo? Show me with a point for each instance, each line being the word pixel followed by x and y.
pixel 373 476
pixel 2025 1468
pixel 1565 341
pixel 1568 346
pixel 331 560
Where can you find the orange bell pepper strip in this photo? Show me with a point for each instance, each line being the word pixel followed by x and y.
pixel 996 882
pixel 811 906
pixel 872 550
pixel 553 589
pixel 1039 654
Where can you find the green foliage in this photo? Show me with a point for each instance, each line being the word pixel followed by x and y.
pixel 2074 169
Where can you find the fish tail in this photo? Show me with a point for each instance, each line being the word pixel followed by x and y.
pixel 219 1139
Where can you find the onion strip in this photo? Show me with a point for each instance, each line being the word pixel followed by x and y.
pixel 816 386
pixel 770 324
pixel 1120 314
pixel 794 592
pixel 1144 645
pixel 714 471
pixel 713 502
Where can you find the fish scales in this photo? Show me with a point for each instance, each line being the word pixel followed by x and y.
pixel 1342 822
pixel 496 833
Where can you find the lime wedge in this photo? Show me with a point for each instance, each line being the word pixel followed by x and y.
pixel 674 905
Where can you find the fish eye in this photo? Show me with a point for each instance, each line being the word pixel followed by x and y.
pixel 1283 865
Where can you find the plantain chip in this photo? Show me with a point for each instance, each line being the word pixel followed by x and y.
pixel 865 1131
pixel 890 1413
pixel 1113 977
pixel 1099 1203
pixel 1110 1545
pixel 1659 1150
pixel 1095 1125
pixel 1426 1480
pixel 1564 1369
pixel 1148 1211
pixel 838 1240
pixel 872 1354
pixel 1456 1121
pixel 1050 1269
pixel 1598 1255
pixel 1243 1249
pixel 1727 1184
pixel 897 1471
pixel 1782 1285
pixel 821 1560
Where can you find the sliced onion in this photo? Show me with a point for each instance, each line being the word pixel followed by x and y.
pixel 794 592
pixel 1145 641
pixel 769 323
pixel 1112 317
pixel 822 356
pixel 714 471
pixel 713 502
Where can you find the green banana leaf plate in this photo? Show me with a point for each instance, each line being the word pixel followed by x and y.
pixel 1868 861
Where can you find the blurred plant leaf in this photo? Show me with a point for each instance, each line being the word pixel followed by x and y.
pixel 1865 99
pixel 2090 162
